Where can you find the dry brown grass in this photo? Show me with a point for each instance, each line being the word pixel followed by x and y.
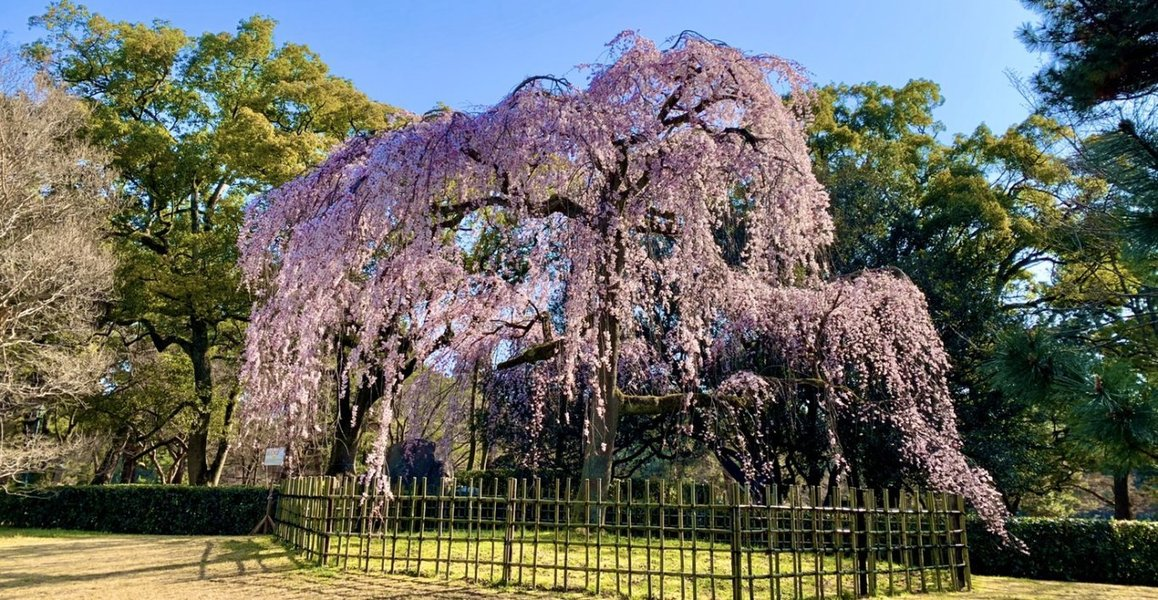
pixel 1008 588
pixel 35 564
pixel 72 565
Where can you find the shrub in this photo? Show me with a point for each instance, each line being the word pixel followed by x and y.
pixel 1093 550
pixel 154 509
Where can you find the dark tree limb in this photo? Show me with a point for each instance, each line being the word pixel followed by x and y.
pixel 536 353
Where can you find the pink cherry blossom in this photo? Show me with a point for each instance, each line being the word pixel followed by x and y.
pixel 607 243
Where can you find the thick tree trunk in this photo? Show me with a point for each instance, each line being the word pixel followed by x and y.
pixel 1123 511
pixel 197 456
pixel 597 456
pixel 815 450
pixel 352 411
pixel 603 424
pixel 343 451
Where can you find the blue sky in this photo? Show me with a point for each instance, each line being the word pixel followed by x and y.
pixel 469 54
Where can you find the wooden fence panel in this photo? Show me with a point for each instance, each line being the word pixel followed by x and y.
pixel 655 540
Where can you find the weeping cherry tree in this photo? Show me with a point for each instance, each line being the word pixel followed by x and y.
pixel 618 245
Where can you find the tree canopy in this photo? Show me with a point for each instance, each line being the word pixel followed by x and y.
pixel 55 270
pixel 1101 50
pixel 195 125
pixel 628 245
pixel 1102 75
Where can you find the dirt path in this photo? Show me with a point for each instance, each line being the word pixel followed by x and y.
pixel 161 567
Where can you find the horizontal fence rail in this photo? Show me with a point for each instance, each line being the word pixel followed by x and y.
pixel 649 540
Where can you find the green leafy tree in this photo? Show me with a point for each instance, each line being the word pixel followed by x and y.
pixel 968 221
pixel 1102 75
pixel 1101 50
pixel 142 415
pixel 196 125
pixel 1103 413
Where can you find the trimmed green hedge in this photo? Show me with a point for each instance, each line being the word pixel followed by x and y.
pixel 1093 550
pixel 154 509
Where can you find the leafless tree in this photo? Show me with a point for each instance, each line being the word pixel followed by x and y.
pixel 56 195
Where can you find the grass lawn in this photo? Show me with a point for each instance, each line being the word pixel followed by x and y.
pixel 56 564
pixel 601 563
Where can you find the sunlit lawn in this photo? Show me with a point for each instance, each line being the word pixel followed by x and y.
pixel 601 563
pixel 66 564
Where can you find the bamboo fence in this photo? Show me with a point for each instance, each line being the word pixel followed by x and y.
pixel 653 539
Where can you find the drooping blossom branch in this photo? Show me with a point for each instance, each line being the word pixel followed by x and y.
pixel 610 245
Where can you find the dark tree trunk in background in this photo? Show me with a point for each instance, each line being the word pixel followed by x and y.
pixel 105 468
pixel 108 464
pixel 128 469
pixel 352 411
pixel 1122 509
pixel 197 457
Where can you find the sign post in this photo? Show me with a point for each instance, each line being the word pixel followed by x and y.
pixel 273 461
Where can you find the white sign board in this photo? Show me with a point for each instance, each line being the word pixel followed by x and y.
pixel 274 457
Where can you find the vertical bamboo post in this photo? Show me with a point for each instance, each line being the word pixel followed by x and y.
pixel 796 522
pixel 494 526
pixel 713 535
pixel 509 536
pixel 421 514
pixel 860 543
pixel 772 499
pixel 680 534
pixel 450 523
pixel 439 527
pixel 890 553
pixel 521 515
pixel 412 519
pixel 870 507
pixel 737 557
pixel 662 534
pixel 397 500
pixel 558 522
pixel 747 512
pixel 964 575
pixel 343 527
pixel 618 532
pixel 477 487
pixel 934 545
pixel 567 535
pixel 601 511
pixel 839 520
pixel 904 501
pixel 919 531
pixel 647 526
pixel 817 548
pixel 695 541
pixel 630 535
pixel 538 499
pixel 592 523
pixel 328 524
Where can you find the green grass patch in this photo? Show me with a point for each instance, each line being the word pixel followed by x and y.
pixel 634 567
